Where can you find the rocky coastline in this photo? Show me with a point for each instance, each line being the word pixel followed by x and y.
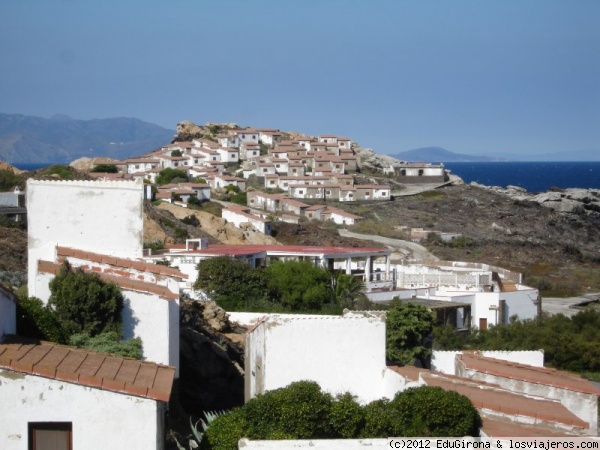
pixel 566 201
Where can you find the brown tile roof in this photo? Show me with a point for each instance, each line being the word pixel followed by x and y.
pixel 142 266
pixel 124 283
pixel 495 427
pixel 87 368
pixel 531 374
pixel 488 396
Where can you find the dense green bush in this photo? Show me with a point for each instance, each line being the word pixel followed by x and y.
pixel 84 303
pixel 432 411
pixel 109 342
pixel 169 175
pixel 302 411
pixel 346 416
pixel 36 320
pixel 407 326
pixel 191 220
pixel 105 168
pixel 9 179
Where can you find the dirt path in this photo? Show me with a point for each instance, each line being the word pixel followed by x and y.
pixel 406 249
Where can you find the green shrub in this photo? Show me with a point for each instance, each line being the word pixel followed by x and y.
pixel 38 321
pixel 432 411
pixel 84 303
pixel 225 432
pixel 299 410
pixel 105 168
pixel 379 420
pixel 240 198
pixel 9 179
pixel 191 220
pixel 62 171
pixel 346 416
pixel 169 175
pixel 109 342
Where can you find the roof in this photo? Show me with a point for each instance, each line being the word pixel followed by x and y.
pixel 539 375
pixel 491 397
pixel 142 266
pixel 91 369
pixel 246 249
pixel 122 282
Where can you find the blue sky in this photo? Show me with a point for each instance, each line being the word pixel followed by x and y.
pixel 479 77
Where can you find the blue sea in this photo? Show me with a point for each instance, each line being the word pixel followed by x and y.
pixel 532 176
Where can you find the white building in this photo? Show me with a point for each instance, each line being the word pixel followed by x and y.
pixel 341 354
pixel 104 236
pixel 58 397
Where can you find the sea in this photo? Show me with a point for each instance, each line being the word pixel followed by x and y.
pixel 532 176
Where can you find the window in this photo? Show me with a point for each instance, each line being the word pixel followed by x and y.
pixel 50 435
pixel 301 191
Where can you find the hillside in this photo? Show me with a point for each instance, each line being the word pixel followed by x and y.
pixel 28 139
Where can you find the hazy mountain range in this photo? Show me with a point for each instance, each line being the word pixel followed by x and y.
pixel 61 139
pixel 438 154
pixel 29 139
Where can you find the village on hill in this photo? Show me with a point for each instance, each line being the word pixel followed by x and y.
pixel 94 400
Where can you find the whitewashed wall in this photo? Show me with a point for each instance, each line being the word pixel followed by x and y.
pixel 100 419
pixel 340 354
pixel 329 444
pixel 8 313
pixel 78 214
pixel 156 322
pixel 444 361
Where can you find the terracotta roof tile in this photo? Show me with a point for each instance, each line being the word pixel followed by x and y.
pixel 90 369
pixel 120 262
pixel 516 371
pixel 124 283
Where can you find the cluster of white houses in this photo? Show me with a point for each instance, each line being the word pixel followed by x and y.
pixel 82 399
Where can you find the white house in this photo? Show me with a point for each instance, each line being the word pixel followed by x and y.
pixel 58 397
pixel 104 236
pixel 341 354
pixel 239 215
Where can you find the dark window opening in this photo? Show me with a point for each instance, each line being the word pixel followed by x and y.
pixel 50 435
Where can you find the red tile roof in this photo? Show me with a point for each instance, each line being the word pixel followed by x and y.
pixel 125 263
pixel 124 283
pixel 539 375
pixel 87 368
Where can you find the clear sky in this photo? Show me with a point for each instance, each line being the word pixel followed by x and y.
pixel 480 77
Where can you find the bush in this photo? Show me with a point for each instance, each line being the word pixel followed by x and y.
pixel 432 411
pixel 240 198
pixel 346 416
pixel 62 171
pixel 9 179
pixel 168 175
pixel 225 432
pixel 38 321
pixel 109 342
pixel 191 220
pixel 105 168
pixel 379 420
pixel 84 303
pixel 299 411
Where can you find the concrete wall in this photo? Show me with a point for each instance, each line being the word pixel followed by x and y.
pixel 8 313
pixel 340 354
pixel 156 322
pixel 330 444
pixel 78 214
pixel 100 419
pixel 445 361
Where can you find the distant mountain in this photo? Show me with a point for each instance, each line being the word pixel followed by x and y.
pixel 582 155
pixel 438 154
pixel 29 139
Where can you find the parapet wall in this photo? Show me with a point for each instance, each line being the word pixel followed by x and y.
pixel 97 216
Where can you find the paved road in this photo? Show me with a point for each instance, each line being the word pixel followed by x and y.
pixel 406 248
pixel 552 305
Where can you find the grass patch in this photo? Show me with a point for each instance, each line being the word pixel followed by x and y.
pixel 432 195
pixel 213 208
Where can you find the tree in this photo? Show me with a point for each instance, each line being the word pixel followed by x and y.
pixel 298 285
pixel 407 326
pixel 36 320
pixel 176 153
pixel 168 175
pixel 232 282
pixel 346 289
pixel 105 168
pixel 84 303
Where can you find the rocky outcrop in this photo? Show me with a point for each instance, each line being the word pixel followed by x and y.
pixel 368 159
pixel 211 358
pixel 87 164
pixel 7 166
pixel 567 201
